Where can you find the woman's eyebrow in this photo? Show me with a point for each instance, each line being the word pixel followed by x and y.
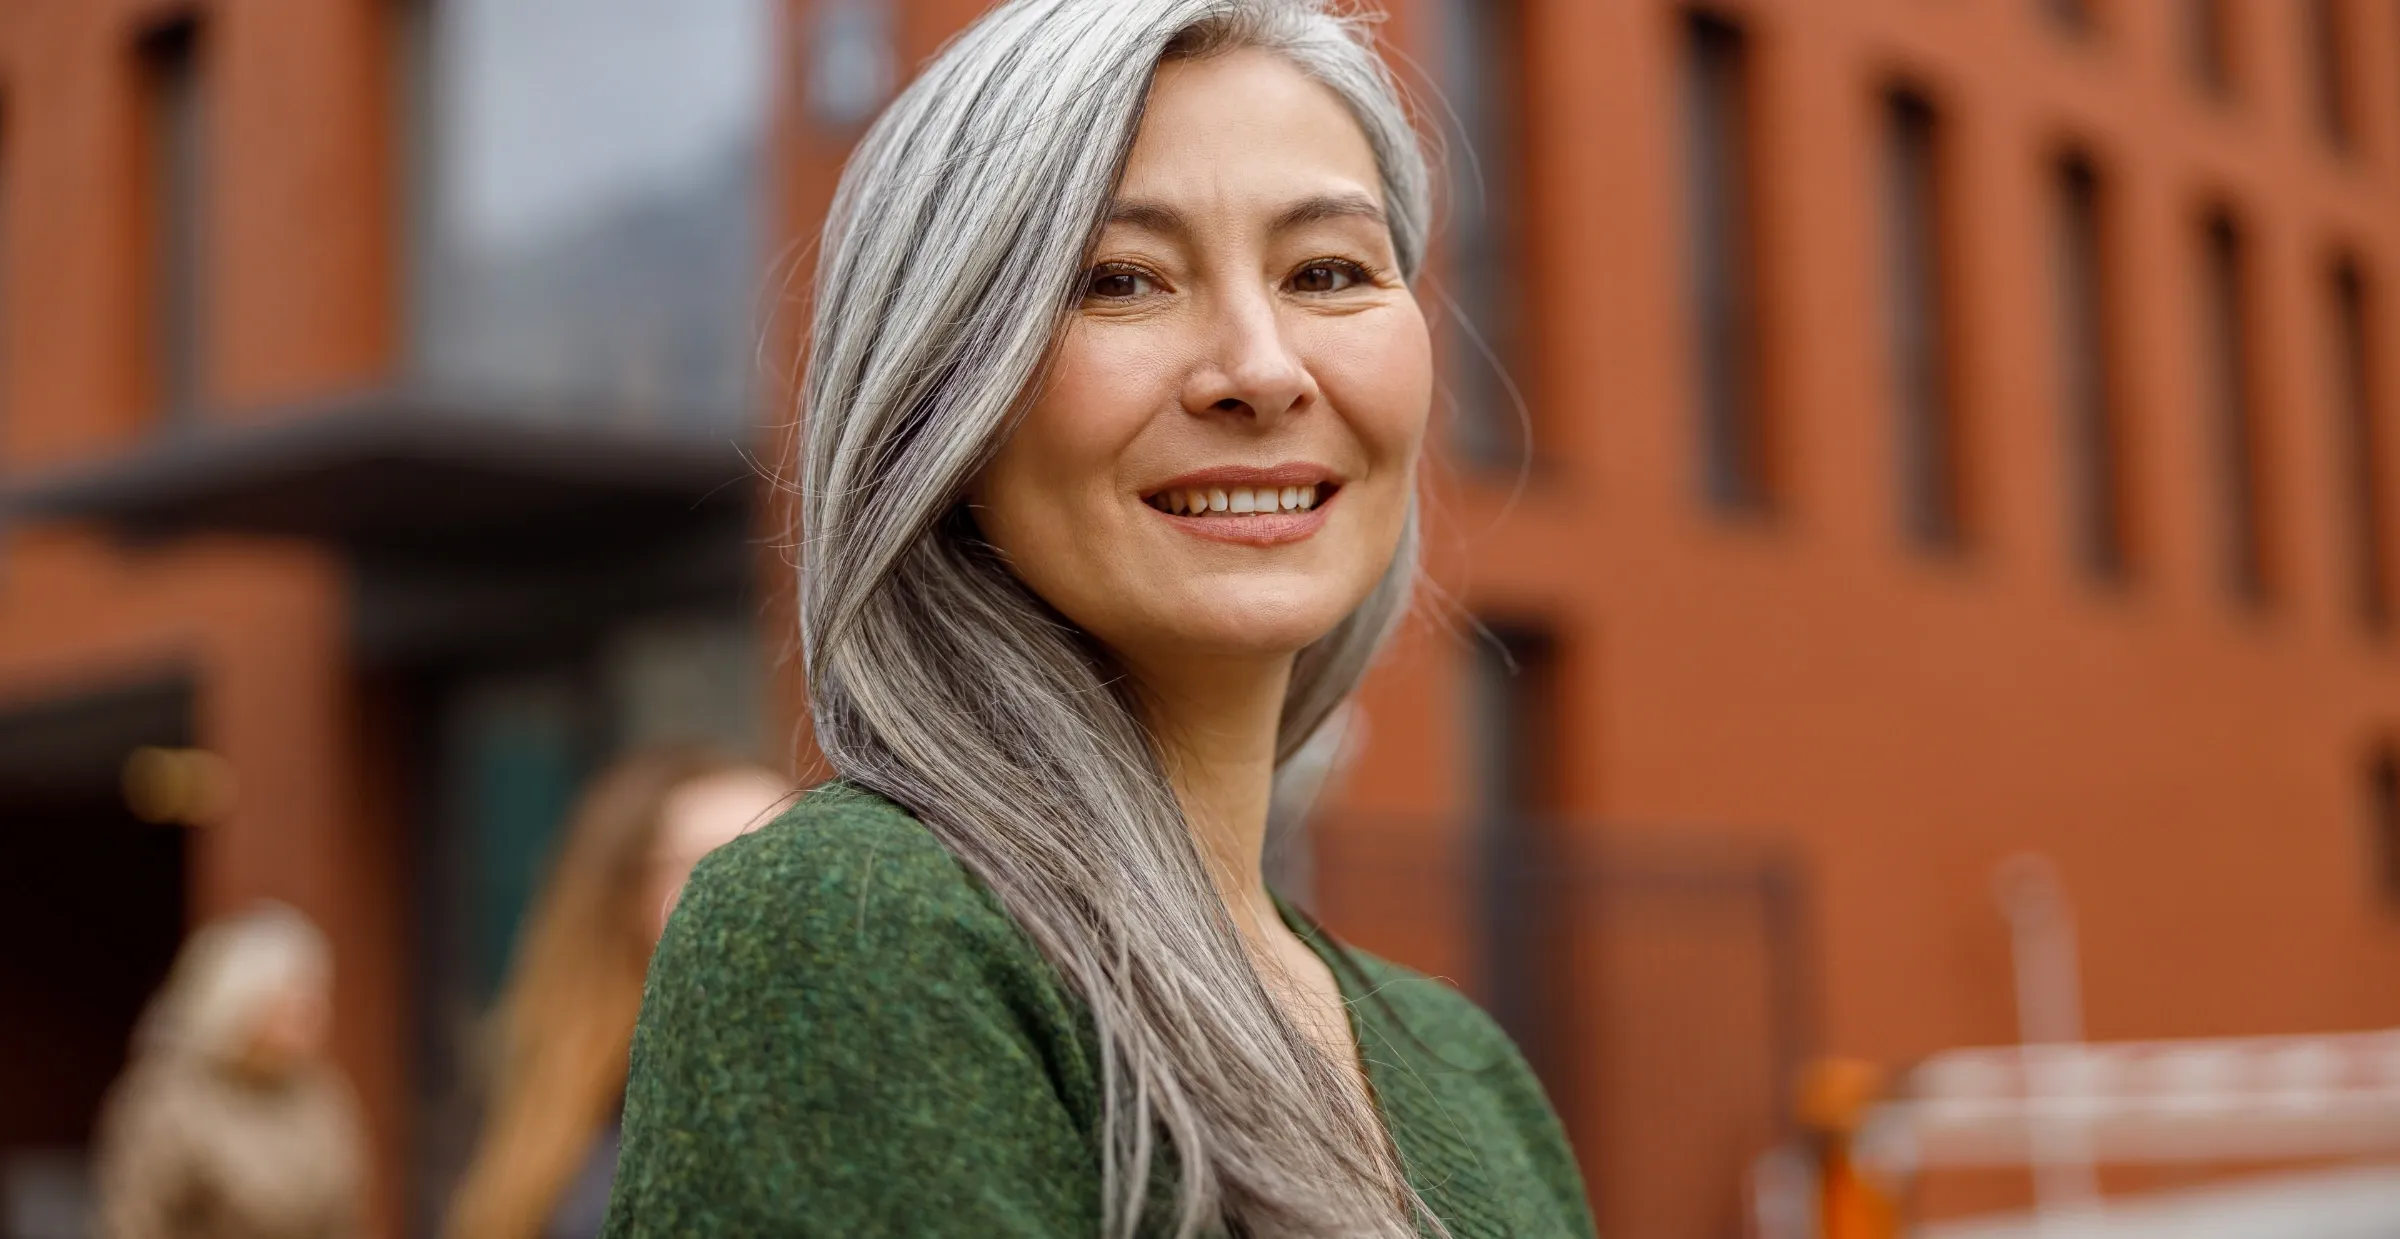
pixel 1163 220
pixel 1323 207
pixel 1152 217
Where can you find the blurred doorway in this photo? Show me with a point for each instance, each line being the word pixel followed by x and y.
pixel 92 907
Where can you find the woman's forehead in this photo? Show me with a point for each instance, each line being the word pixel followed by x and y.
pixel 1243 129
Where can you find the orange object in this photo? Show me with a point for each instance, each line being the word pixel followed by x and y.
pixel 1850 1205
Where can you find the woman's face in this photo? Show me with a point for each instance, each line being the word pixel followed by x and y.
pixel 1220 460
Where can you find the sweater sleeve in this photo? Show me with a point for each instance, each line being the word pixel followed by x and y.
pixel 843 1035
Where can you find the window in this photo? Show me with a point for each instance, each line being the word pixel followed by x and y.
pixel 2207 45
pixel 1514 729
pixel 2382 797
pixel 587 204
pixel 2362 441
pixel 174 131
pixel 2329 71
pixel 2071 15
pixel 1926 436
pixel 850 62
pixel 2096 515
pixel 1724 295
pixel 7 283
pixel 2232 424
pixel 1482 63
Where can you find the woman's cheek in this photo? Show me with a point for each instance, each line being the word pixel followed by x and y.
pixel 1111 377
pixel 1382 381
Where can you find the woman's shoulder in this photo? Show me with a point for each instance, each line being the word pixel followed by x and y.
pixel 832 824
pixel 838 1007
pixel 844 880
pixel 834 847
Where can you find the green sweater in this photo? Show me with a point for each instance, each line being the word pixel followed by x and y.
pixel 845 1035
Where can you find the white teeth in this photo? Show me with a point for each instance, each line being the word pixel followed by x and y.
pixel 1238 501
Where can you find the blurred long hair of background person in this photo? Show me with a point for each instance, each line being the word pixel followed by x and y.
pixel 230 1123
pixel 564 1022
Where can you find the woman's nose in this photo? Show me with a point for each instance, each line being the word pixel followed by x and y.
pixel 1250 368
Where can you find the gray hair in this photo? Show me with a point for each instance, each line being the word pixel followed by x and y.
pixel 953 252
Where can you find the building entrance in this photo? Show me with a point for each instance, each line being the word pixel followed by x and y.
pixel 92 908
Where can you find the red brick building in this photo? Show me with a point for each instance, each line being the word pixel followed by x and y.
pixel 1956 429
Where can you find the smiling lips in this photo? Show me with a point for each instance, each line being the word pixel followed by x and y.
pixel 1255 507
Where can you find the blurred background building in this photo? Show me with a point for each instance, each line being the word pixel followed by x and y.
pixel 1883 437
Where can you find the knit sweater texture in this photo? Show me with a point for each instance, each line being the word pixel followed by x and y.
pixel 845 1035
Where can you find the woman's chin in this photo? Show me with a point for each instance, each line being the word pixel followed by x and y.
pixel 1266 628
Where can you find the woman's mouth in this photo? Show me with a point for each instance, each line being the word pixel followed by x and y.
pixel 1248 506
pixel 1237 501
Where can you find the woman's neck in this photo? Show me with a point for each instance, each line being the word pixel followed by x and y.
pixel 1216 720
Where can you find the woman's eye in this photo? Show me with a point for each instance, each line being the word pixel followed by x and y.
pixel 1117 284
pixel 1325 277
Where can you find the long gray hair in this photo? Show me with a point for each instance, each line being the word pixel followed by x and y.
pixel 953 253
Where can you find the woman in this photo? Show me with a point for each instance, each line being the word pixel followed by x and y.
pixel 1115 394
pixel 566 1013
pixel 230 1124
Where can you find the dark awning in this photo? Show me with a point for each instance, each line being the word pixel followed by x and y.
pixel 407 472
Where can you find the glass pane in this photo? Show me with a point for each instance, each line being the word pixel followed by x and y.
pixel 1716 107
pixel 591 191
pixel 1482 70
pixel 174 97
pixel 2226 356
pixel 2362 442
pixel 2085 380
pixel 1913 265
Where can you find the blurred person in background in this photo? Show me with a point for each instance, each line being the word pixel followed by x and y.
pixel 1116 390
pixel 231 1123
pixel 565 1016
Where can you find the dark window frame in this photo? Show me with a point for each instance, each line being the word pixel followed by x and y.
pixel 8 272
pixel 2235 431
pixel 2208 47
pixel 1921 336
pixel 1516 695
pixel 171 61
pixel 2380 788
pixel 2330 80
pixel 2363 438
pixel 1484 40
pixel 1735 429
pixel 2080 18
pixel 2088 370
